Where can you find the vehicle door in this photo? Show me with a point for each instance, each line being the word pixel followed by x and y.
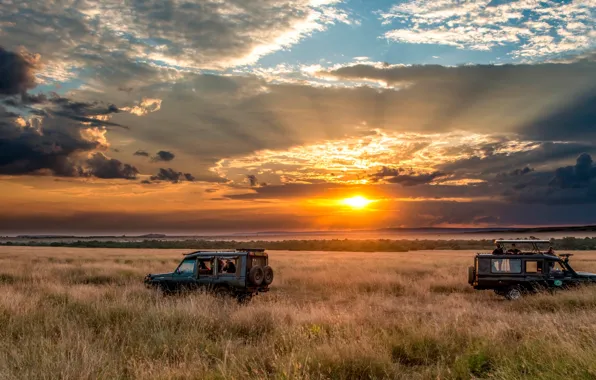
pixel 558 274
pixel 228 271
pixel 184 276
pixel 206 271
pixel 534 273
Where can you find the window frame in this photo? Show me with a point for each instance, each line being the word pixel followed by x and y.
pixel 194 270
pixel 212 265
pixel 539 266
pixel 220 271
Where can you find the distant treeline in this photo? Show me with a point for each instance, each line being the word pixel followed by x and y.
pixel 375 245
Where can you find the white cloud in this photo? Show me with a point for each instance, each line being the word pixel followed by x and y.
pixel 534 28
pixel 183 35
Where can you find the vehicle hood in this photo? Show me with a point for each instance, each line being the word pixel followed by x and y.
pixel 587 275
pixel 159 276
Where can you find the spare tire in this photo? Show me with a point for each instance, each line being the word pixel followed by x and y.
pixel 471 275
pixel 256 275
pixel 268 279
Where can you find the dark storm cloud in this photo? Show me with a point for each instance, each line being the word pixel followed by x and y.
pixel 141 153
pixel 497 162
pixel 56 143
pixel 16 73
pixel 515 173
pixel 163 155
pixel 171 175
pixel 101 166
pixel 573 184
pixel 414 179
pixel 25 150
pixel 405 177
pixel 579 175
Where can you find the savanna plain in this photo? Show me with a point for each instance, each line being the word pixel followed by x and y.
pixel 75 313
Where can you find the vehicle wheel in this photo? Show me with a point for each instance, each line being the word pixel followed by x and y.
pixel 256 275
pixel 513 294
pixel 268 275
pixel 471 275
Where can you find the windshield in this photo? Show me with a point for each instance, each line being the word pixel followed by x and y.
pixel 186 267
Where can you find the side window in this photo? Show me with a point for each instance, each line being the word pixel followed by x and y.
pixel 205 267
pixel 186 267
pixel 506 266
pixel 228 265
pixel 483 266
pixel 533 267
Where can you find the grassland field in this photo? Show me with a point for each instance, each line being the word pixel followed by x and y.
pixel 76 313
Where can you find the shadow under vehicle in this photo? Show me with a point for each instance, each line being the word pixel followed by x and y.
pixel 513 272
pixel 241 273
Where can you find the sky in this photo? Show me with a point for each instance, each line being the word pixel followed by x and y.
pixel 212 116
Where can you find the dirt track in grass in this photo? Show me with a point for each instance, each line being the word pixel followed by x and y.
pixel 75 313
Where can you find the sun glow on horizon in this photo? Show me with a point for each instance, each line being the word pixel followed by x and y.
pixel 356 202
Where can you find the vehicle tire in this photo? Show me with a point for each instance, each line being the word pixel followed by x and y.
pixel 256 275
pixel 513 294
pixel 471 275
pixel 268 276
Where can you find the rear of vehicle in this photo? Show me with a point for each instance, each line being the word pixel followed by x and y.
pixel 259 275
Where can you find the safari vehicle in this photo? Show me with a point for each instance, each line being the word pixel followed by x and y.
pixel 241 273
pixel 514 272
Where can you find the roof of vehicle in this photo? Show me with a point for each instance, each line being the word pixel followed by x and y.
pixel 524 255
pixel 230 252
pixel 523 241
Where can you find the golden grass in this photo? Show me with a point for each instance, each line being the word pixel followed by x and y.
pixel 84 314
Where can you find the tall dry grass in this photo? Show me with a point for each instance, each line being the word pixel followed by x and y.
pixel 84 314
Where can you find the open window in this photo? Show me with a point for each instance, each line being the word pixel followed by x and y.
pixel 228 266
pixel 205 266
pixel 533 266
pixel 506 266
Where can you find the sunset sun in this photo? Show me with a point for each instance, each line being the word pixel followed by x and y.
pixel 356 202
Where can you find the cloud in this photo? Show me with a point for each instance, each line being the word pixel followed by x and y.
pixel 141 153
pixel 252 180
pixel 558 99
pixel 171 175
pixel 16 72
pixel 51 135
pixel 516 172
pixel 405 177
pixel 163 155
pixel 101 166
pixel 573 184
pixel 130 41
pixel 531 29
pixel 578 176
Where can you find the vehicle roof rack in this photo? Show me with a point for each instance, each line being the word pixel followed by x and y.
pixel 250 249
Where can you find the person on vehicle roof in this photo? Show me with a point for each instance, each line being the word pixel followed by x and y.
pixel 550 251
pixel 513 250
pixel 498 250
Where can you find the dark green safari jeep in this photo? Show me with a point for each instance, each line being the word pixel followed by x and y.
pixel 513 272
pixel 240 273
